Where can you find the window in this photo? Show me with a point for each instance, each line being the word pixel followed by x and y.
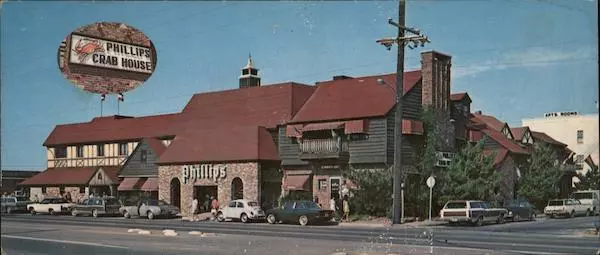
pixel 579 136
pixel 123 149
pixel 43 190
pixel 80 151
pixel 60 152
pixel 100 150
pixel 240 205
pixel 81 189
pixel 322 184
pixel 99 176
pixel 62 190
pixel 231 204
pixel 144 156
pixel 456 205
pixel 579 162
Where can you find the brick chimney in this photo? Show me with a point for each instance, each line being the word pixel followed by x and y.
pixel 435 71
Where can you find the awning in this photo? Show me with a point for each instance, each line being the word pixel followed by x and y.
pixel 412 127
pixel 130 183
pixel 356 127
pixel 150 185
pixel 296 182
pixel 323 126
pixel 293 130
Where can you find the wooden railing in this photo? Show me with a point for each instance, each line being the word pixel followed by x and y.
pixel 318 146
pixel 91 161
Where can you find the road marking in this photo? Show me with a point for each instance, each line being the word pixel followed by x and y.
pixel 63 241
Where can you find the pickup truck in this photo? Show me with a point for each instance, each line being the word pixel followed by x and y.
pixel 51 206
pixel 565 207
pixel 475 212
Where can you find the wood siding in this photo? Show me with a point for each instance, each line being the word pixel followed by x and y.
pixel 289 151
pixel 275 135
pixel 373 149
pixel 408 143
pixel 411 103
pixel 490 143
pixel 134 167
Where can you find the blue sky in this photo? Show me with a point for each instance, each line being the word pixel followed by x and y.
pixel 517 58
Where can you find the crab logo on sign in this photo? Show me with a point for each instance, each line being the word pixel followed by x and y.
pixel 84 47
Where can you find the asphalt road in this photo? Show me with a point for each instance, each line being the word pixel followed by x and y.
pixel 552 236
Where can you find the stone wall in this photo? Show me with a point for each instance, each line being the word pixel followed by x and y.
pixel 247 172
pixel 509 176
pixel 76 195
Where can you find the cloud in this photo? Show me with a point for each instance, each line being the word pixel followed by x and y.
pixel 531 57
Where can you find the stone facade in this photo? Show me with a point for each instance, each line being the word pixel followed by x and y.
pixel 76 194
pixel 508 170
pixel 249 173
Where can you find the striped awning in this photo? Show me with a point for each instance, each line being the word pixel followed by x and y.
pixel 131 183
pixel 150 185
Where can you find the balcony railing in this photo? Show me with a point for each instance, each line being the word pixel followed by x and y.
pixel 322 148
pixel 84 162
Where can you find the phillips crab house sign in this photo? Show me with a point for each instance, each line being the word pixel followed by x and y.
pixel 195 172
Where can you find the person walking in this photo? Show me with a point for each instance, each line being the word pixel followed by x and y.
pixel 214 207
pixel 346 205
pixel 333 207
pixel 195 210
pixel 206 205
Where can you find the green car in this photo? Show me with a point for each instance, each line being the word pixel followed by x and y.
pixel 300 211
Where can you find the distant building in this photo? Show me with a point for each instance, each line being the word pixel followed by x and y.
pixel 578 132
pixel 10 179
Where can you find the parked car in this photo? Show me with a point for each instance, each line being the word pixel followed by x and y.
pixel 565 207
pixel 520 209
pixel 8 205
pixel 97 206
pixel 471 211
pixel 241 209
pixel 150 208
pixel 51 206
pixel 300 211
pixel 590 198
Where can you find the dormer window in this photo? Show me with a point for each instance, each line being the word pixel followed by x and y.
pixel 245 72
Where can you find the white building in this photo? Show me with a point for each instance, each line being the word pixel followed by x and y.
pixel 579 132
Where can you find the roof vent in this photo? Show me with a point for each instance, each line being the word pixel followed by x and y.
pixel 478 112
pixel 341 77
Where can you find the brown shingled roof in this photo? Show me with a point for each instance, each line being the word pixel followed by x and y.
pixel 503 141
pixel 354 98
pixel 156 145
pixel 519 132
pixel 112 128
pixel 499 154
pixel 62 176
pixel 221 144
pixel 490 121
pixel 540 136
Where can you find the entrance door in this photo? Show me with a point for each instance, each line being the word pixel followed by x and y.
pixel 203 193
pixel 176 193
pixel 335 186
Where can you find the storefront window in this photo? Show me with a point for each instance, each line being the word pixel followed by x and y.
pixel 237 189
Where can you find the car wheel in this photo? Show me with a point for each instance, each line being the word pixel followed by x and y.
pixel 150 215
pixel 479 221
pixel 32 211
pixel 551 216
pixel 126 215
pixel 95 213
pixel 500 219
pixel 271 219
pixel 51 211
pixel 220 217
pixel 516 217
pixel 74 213
pixel 532 216
pixel 588 213
pixel 244 218
pixel 572 215
pixel 303 220
pixel 9 210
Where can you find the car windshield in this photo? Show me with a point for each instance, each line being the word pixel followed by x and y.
pixel 556 202
pixel 22 199
pixel 456 205
pixel 583 195
pixel 252 204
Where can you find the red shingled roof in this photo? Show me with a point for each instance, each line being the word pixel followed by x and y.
pixel 490 121
pixel 457 96
pixel 266 106
pixel 504 142
pixel 519 132
pixel 112 172
pixel 221 144
pixel 62 176
pixel 112 128
pixel 354 98
pixel 546 138
pixel 156 145
pixel 500 155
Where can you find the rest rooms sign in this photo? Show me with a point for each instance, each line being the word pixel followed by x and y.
pixel 195 172
pixel 108 54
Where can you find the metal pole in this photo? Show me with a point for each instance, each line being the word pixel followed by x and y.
pixel 398 201
pixel 430 198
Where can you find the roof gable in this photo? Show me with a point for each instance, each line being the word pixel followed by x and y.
pixel 354 98
pixel 133 165
pixel 541 136
pixel 489 121
pixel 503 141
pixel 464 96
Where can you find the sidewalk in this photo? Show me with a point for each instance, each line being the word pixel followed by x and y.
pixel 201 217
pixel 388 223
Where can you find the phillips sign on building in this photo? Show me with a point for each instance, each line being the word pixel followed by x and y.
pixel 107 58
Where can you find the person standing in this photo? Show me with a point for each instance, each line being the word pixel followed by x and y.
pixel 195 210
pixel 346 205
pixel 214 207
pixel 206 204
pixel 333 207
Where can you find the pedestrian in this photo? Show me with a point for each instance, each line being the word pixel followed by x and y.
pixel 68 197
pixel 346 205
pixel 214 207
pixel 332 206
pixel 206 207
pixel 36 198
pixel 195 210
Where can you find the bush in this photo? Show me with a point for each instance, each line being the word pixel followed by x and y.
pixel 374 197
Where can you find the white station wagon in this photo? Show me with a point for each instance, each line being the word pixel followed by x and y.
pixel 241 209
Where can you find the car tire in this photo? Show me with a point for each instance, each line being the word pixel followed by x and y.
pixel 126 214
pixel 220 217
pixel 32 211
pixel 572 214
pixel 271 219
pixel 9 210
pixel 516 217
pixel 500 219
pixel 95 213
pixel 150 215
pixel 51 211
pixel 303 220
pixel 479 221
pixel 74 213
pixel 588 213
pixel 244 218
pixel 532 216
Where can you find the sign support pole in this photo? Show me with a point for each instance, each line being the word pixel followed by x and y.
pixel 430 184
pixel 430 198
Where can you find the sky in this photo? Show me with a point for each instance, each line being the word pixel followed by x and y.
pixel 516 58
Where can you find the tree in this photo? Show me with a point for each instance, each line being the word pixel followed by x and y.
pixel 540 180
pixel 589 180
pixel 471 175
pixel 374 197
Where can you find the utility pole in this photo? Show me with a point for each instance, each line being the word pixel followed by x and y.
pixel 401 41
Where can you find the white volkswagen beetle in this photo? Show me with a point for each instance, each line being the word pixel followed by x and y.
pixel 241 209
